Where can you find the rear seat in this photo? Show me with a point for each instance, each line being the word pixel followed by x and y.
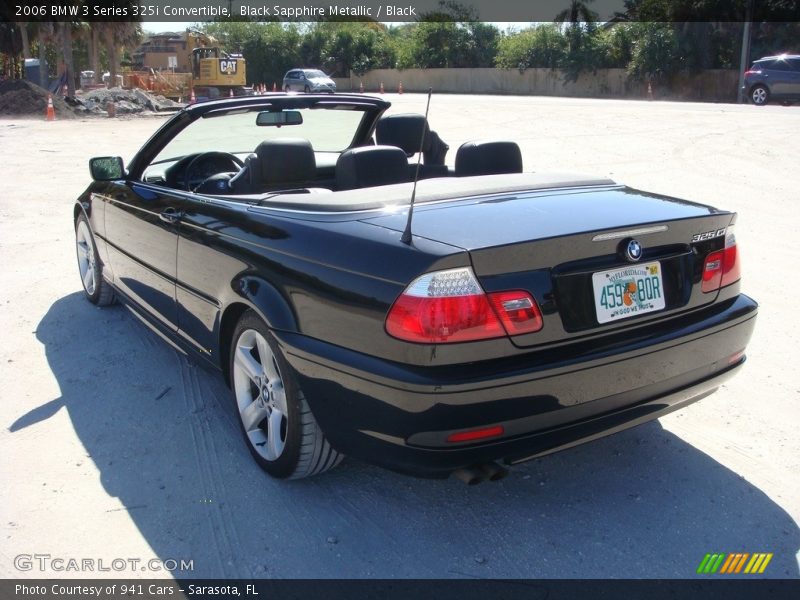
pixel 406 132
pixel 369 166
pixel 489 157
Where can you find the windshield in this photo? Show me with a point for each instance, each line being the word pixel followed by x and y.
pixel 236 132
pixel 315 74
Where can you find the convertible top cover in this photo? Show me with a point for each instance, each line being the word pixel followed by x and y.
pixel 428 190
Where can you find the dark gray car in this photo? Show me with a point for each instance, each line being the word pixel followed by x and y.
pixel 773 78
pixel 308 80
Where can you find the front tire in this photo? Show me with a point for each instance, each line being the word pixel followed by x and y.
pixel 759 95
pixel 277 424
pixel 96 289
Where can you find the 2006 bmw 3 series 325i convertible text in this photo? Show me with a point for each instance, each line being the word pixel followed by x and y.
pixel 524 313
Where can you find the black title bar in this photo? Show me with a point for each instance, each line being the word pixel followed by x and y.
pixel 383 589
pixel 523 11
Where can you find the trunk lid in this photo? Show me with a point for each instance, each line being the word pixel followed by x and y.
pixel 557 243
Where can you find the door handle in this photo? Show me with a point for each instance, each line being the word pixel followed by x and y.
pixel 170 215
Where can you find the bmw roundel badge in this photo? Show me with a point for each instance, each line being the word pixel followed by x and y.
pixel 633 251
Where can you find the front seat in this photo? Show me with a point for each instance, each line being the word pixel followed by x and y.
pixel 282 164
pixel 491 157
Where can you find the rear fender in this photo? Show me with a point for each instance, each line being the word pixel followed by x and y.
pixel 266 300
pixel 256 294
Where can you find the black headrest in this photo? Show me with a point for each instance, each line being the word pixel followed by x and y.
pixel 371 165
pixel 488 158
pixel 404 131
pixel 286 161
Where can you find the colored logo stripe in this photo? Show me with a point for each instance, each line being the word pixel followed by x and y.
pixel 734 562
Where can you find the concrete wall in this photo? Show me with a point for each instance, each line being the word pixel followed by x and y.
pixel 715 85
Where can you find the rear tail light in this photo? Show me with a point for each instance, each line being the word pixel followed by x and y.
pixel 517 310
pixel 722 267
pixel 450 306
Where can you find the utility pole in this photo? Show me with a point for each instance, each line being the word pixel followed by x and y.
pixel 745 56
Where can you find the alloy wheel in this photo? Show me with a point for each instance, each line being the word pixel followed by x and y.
pixel 260 395
pixel 86 260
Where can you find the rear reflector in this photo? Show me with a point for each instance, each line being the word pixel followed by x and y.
pixel 476 434
pixel 722 267
pixel 736 357
pixel 450 306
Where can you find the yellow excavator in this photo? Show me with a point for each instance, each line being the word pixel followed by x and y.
pixel 215 73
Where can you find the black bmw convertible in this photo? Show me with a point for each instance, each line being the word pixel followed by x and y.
pixel 506 314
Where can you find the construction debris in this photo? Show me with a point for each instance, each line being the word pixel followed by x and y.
pixel 22 98
pixel 125 101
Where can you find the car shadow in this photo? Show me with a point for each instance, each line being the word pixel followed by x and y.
pixel 162 432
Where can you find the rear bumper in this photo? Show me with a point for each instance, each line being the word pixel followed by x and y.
pixel 399 416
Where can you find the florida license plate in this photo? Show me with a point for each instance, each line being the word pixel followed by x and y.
pixel 627 292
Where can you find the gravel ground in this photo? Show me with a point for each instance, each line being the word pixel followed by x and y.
pixel 114 446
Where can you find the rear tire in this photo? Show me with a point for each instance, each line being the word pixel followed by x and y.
pixel 96 289
pixel 276 422
pixel 759 94
pixel 287 89
pixel 307 89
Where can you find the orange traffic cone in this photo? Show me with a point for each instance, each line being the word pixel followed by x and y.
pixel 400 88
pixel 649 91
pixel 230 95
pixel 192 98
pixel 361 88
pixel 51 112
pixel 381 90
pixel 274 87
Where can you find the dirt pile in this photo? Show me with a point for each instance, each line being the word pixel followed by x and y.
pixel 22 98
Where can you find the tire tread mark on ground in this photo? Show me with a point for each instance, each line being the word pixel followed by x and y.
pixel 199 450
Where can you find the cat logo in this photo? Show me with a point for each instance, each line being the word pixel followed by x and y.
pixel 227 65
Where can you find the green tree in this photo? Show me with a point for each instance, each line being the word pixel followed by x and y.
pixel 541 46
pixel 449 37
pixel 656 53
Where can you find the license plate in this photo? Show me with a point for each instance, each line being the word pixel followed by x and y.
pixel 627 292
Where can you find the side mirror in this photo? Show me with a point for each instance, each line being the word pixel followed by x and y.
pixel 106 168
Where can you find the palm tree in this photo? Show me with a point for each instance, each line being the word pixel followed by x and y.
pixel 577 12
pixel 65 32
pixel 117 36
pixel 45 35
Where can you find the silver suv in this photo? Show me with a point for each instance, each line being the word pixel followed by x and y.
pixel 308 80
pixel 773 78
